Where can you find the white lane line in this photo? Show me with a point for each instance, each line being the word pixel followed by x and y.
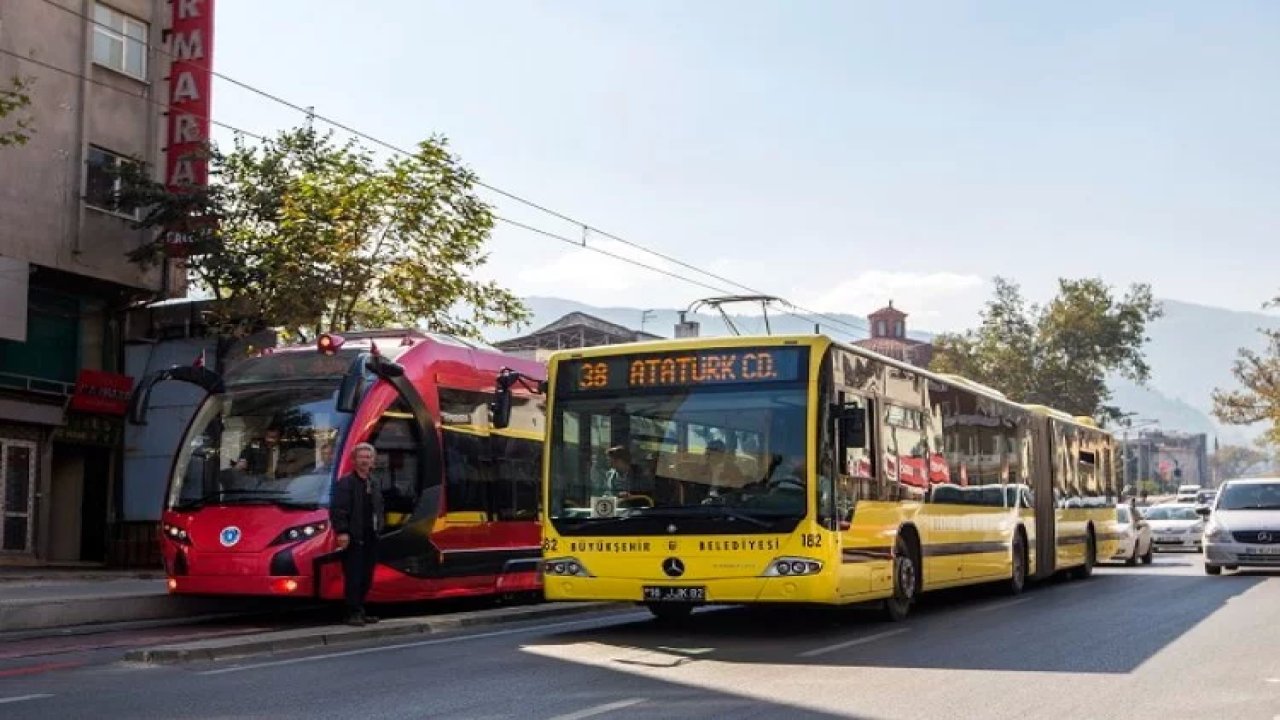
pixel 23 698
pixel 1001 605
pixel 420 643
pixel 851 643
pixel 599 709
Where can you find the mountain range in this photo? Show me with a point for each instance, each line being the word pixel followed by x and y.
pixel 1190 351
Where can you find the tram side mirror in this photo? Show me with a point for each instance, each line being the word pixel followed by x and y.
pixel 501 407
pixel 851 429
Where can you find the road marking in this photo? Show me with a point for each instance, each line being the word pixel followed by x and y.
pixel 852 643
pixel 23 698
pixel 420 643
pixel 599 709
pixel 1001 605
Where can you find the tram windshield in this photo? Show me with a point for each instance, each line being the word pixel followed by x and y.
pixel 261 444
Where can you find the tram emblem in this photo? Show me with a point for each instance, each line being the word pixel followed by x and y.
pixel 229 536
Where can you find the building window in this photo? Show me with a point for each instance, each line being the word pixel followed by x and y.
pixel 102 180
pixel 119 42
pixel 898 329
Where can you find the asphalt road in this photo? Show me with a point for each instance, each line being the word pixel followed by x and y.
pixel 1163 642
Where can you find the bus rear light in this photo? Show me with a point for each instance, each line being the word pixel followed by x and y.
pixel 789 566
pixel 284 586
pixel 329 344
pixel 565 567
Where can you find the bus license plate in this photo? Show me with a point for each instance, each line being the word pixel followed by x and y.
pixel 1271 550
pixel 654 593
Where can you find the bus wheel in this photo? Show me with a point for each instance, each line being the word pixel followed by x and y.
pixel 1018 578
pixel 1090 554
pixel 906 581
pixel 670 612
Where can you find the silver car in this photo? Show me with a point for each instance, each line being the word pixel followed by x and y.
pixel 1175 526
pixel 1243 528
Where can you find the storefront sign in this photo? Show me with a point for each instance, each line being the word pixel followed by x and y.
pixel 101 392
pixel 90 430
pixel 190 104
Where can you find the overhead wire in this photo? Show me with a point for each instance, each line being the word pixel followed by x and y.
pixel 849 327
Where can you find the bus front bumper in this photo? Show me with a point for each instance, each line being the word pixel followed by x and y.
pixel 794 589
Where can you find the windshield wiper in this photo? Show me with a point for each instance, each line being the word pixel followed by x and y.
pixel 254 494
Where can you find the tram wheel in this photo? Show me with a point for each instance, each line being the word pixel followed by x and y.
pixel 906 580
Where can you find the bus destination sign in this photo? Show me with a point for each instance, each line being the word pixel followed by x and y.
pixel 685 369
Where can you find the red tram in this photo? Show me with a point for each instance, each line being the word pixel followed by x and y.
pixel 246 511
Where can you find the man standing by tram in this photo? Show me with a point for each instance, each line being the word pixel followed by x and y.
pixel 356 514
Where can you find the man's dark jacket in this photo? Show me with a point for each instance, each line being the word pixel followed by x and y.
pixel 355 511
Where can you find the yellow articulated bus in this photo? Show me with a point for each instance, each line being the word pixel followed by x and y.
pixel 801 470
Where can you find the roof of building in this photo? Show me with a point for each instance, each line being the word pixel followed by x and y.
pixel 577 329
pixel 888 311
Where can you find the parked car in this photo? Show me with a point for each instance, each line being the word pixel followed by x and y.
pixel 1175 526
pixel 1243 528
pixel 1135 537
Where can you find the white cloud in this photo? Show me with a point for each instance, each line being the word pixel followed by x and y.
pixel 935 301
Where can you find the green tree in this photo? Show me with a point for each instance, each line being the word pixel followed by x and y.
pixel 1258 399
pixel 307 234
pixel 1232 461
pixel 1058 354
pixel 14 99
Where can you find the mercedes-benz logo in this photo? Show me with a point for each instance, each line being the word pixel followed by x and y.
pixel 229 536
pixel 1264 536
pixel 673 567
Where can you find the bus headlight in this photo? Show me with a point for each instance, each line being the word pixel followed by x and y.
pixel 565 567
pixel 300 532
pixel 176 534
pixel 788 566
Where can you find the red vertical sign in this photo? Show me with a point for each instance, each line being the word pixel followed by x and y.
pixel 190 100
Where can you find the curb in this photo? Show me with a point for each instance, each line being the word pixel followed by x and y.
pixel 61 613
pixel 331 635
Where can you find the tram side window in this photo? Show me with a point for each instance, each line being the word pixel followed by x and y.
pixel 399 466
pixel 467 472
pixel 515 487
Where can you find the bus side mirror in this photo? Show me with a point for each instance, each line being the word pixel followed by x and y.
pixel 352 388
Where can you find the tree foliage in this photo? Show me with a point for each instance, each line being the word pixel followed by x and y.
pixel 14 99
pixel 1058 354
pixel 1258 398
pixel 312 235
pixel 1233 461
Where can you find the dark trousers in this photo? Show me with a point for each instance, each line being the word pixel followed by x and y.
pixel 358 561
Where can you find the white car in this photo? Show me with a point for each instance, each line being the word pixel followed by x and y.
pixel 1175 526
pixel 1243 529
pixel 1187 493
pixel 1135 537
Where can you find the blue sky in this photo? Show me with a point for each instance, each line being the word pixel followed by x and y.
pixel 834 153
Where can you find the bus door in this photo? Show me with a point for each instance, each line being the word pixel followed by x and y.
pixel 1042 486
pixel 856 482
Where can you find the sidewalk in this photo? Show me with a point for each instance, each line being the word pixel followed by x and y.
pixel 39 599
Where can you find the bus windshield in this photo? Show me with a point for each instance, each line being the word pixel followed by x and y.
pixel 260 445
pixel 719 457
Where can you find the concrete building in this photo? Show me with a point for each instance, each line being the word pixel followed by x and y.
pixel 574 330
pixel 1167 459
pixel 889 338
pixel 100 80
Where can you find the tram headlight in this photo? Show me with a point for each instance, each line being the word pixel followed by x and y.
pixel 792 566
pixel 176 534
pixel 300 532
pixel 565 567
